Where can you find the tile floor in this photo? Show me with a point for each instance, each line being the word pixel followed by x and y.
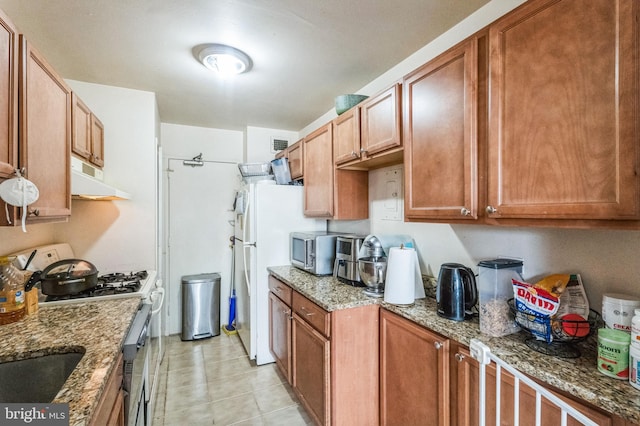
pixel 212 381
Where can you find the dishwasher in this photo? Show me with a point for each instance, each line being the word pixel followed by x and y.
pixel 135 355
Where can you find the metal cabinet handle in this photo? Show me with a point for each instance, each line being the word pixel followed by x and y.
pixel 491 209
pixel 307 313
pixel 459 357
pixel 363 151
pixel 354 154
pixel 465 211
pixel 32 212
pixel 438 345
pixel 278 289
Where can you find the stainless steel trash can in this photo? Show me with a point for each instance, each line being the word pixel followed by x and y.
pixel 200 306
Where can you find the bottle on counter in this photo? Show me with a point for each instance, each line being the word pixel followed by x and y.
pixel 634 351
pixel 12 306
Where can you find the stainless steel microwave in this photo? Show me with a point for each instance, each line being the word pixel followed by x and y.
pixel 313 252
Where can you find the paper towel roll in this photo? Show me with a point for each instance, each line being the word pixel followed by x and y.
pixel 403 273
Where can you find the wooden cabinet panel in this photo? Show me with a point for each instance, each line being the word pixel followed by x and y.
pixel 280 289
pixel 346 136
pixel 467 391
pixel 440 136
pixel 97 141
pixel 296 160
pixel 45 134
pixel 317 317
pixel 414 373
pixel 280 334
pixel 318 173
pixel 381 118
pixel 563 135
pixel 88 133
pixel 8 97
pixel 110 408
pixel 311 378
pixel 81 124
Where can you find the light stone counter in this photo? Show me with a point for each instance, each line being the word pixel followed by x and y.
pixel 579 377
pixel 98 327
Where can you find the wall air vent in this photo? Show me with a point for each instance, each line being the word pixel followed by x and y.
pixel 278 144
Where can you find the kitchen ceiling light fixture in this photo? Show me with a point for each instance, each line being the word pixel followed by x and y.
pixel 223 59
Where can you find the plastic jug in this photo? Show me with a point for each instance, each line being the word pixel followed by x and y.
pixel 12 296
pixel 494 291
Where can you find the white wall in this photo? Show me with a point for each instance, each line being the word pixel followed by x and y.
pixel 119 235
pixel 197 203
pixel 13 240
pixel 258 147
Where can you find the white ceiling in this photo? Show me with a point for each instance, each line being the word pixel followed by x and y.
pixel 304 52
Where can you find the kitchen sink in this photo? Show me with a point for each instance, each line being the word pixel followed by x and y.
pixel 36 379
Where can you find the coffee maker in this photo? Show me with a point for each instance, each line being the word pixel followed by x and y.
pixel 345 266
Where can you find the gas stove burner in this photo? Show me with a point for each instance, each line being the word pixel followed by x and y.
pixel 123 277
pixel 108 285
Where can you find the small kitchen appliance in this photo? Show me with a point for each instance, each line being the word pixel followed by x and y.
pixel 314 251
pixel 345 267
pixel 456 292
pixel 372 266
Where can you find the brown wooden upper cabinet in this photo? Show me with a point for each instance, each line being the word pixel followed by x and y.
pixel 88 133
pixel 97 141
pixel 441 137
pixel 295 157
pixel 368 136
pixel 563 136
pixel 8 97
pixel 330 192
pixel 45 134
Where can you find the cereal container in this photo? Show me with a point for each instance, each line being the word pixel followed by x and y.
pixel 494 291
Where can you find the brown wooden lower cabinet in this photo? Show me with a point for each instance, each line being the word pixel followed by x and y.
pixel 465 401
pixel 110 408
pixel 414 373
pixel 333 357
pixel 311 370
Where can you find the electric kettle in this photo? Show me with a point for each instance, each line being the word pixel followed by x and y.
pixel 456 292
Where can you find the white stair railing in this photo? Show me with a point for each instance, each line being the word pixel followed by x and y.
pixel 483 355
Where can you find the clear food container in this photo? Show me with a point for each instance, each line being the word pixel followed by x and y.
pixel 494 291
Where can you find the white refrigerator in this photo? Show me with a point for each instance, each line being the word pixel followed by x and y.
pixel 265 215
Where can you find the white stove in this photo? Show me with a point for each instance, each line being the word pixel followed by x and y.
pixel 112 285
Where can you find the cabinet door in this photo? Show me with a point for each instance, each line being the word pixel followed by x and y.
pixel 468 400
pixel 280 335
pixel 97 141
pixel 8 97
pixel 296 157
pixel 440 154
pixel 318 173
pixel 563 139
pixel 414 373
pixel 45 134
pixel 81 124
pixel 381 121
pixel 346 136
pixel 310 369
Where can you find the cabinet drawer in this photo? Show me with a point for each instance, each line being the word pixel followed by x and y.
pixel 317 317
pixel 280 289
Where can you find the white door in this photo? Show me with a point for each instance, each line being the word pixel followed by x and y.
pixel 200 222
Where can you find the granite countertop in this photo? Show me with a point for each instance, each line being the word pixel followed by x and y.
pixel 98 327
pixel 579 377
